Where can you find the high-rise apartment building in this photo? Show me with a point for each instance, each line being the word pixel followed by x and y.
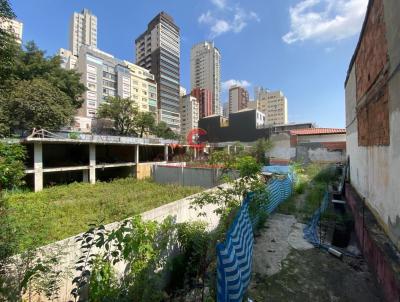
pixel 83 31
pixel 158 50
pixel 204 97
pixel 205 71
pixel 189 110
pixel 13 27
pixel 143 88
pixel 238 98
pixel 274 105
pixel 105 76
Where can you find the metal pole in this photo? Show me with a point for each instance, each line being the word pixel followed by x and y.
pixel 363 223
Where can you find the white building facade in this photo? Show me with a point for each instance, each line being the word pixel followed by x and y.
pixel 83 31
pixel 13 27
pixel 68 60
pixel 205 71
pixel 189 107
pixel 105 76
pixel 143 88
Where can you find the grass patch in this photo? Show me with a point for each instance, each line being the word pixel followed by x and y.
pixel 63 211
pixel 312 181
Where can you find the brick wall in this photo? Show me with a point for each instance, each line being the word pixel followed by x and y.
pixel 371 76
pixel 372 53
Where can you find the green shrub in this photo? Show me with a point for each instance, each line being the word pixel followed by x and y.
pixel 247 166
pixel 12 169
pixel 103 283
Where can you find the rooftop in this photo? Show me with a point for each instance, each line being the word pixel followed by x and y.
pixel 317 131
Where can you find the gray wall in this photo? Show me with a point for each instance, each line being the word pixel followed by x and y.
pixel 316 152
pixel 187 176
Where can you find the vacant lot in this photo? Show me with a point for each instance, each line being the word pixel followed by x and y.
pixel 63 211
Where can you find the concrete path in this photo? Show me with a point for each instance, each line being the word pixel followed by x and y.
pixel 287 268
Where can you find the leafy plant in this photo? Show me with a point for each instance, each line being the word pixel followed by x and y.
pixel 38 104
pixel 73 135
pixel 259 150
pixel 12 169
pixel 162 130
pixel 123 112
pixel 247 166
pixel 142 246
pixel 103 283
pixel 35 91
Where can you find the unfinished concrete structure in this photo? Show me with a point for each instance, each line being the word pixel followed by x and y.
pixel 373 141
pixel 87 157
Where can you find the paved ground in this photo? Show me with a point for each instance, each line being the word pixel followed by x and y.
pixel 287 268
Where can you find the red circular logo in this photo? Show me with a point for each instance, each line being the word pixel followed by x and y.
pixel 194 138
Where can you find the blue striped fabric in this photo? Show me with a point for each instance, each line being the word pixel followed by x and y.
pixel 234 256
pixel 310 231
pixel 279 190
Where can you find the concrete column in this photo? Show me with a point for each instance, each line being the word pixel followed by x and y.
pixel 229 149
pixel 38 166
pixel 195 153
pixel 166 153
pixel 92 163
pixel 85 176
pixel 137 154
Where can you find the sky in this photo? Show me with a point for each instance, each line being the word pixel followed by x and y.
pixel 301 47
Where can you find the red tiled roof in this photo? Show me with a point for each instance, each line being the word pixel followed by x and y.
pixel 317 131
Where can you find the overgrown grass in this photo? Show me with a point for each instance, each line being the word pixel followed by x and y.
pixel 63 211
pixel 312 182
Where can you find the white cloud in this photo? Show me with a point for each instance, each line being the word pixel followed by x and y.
pixel 226 18
pixel 227 84
pixel 220 27
pixel 205 18
pixel 219 3
pixel 325 20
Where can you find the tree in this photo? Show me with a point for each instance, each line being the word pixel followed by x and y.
pixel 37 104
pixel 162 130
pixel 8 45
pixel 57 91
pixel 123 111
pixel 261 146
pixel 31 63
pixel 145 122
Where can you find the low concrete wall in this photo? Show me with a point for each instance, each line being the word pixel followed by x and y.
pixel 187 176
pixel 380 253
pixel 180 209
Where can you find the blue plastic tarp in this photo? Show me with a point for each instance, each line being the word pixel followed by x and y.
pixel 277 169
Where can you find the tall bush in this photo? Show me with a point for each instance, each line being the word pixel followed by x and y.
pixel 12 169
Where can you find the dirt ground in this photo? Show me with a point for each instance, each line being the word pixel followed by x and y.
pixel 287 268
